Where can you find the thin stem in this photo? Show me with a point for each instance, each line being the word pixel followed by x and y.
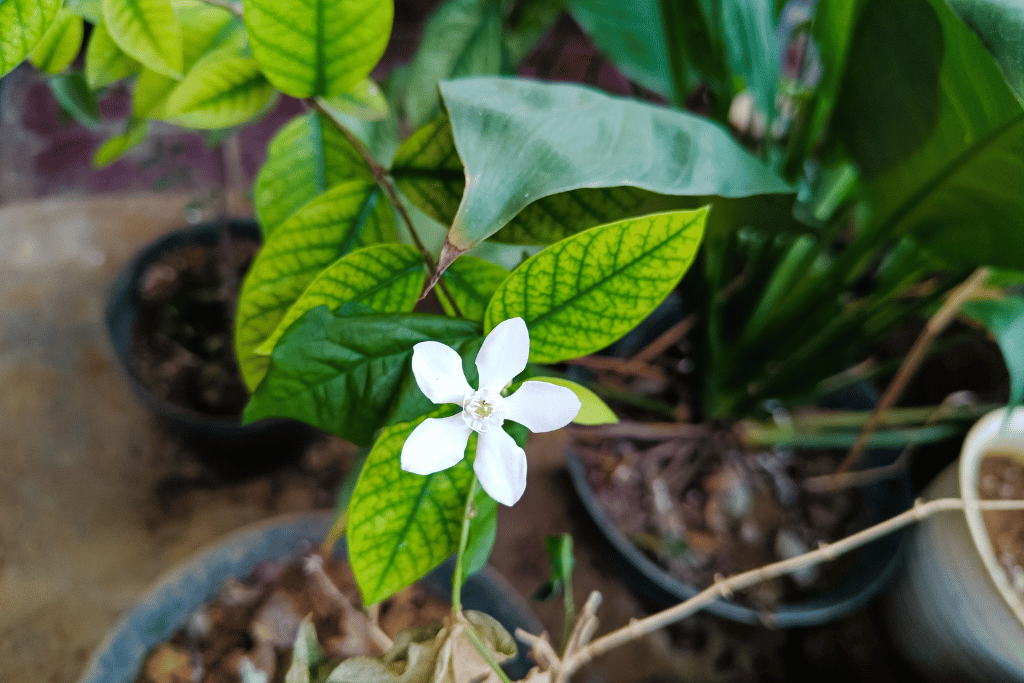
pixel 482 649
pixel 726 587
pixel 936 324
pixel 568 613
pixel 467 517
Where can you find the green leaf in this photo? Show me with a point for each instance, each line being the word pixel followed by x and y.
pixel 483 530
pixel 219 94
pixel 461 38
pixel 889 101
pixel 307 157
pixel 60 44
pixel 23 23
pixel 149 31
pixel 114 148
pixel 582 294
pixel 402 525
pixel 594 410
pixel 959 193
pixel 1004 318
pixel 521 141
pixel 472 282
pixel 76 98
pixel 90 10
pixel 105 62
pixel 748 31
pixel 346 374
pixel 999 24
pixel 317 48
pixel 429 172
pixel 365 101
pixel 151 92
pixel 306 653
pixel 350 215
pixel 209 32
pixel 559 550
pixel 526 26
pixel 386 277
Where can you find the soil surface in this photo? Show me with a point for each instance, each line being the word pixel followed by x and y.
pixel 258 620
pixel 183 339
pixel 1001 477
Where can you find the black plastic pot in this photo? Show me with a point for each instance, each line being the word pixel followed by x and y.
pixel 179 592
pixel 869 568
pixel 223 443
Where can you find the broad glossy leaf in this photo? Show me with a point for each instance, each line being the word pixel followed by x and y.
pixel 385 277
pixel 472 282
pixel 209 32
pixel 76 98
pixel 521 141
pixel 1000 26
pixel 583 293
pixel 23 23
pixel 1004 318
pixel 219 94
pixel 959 194
pixel 402 525
pixel 429 172
pixel 114 148
pixel 346 374
pixel 105 62
pixel 60 44
pixel 308 156
pixel 888 104
pixel 149 31
pixel 317 48
pixel 350 215
pixel 365 102
pixel 461 38
pixel 151 92
pixel 594 411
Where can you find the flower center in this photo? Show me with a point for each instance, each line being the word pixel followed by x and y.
pixel 483 410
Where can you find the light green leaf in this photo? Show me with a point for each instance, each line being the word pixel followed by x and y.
pixel 472 282
pixel 306 653
pixel 350 215
pixel 461 38
pixel 386 277
pixel 959 194
pixel 76 98
pixel 308 156
pixel 90 10
pixel 151 92
pixel 60 44
pixel 365 102
pixel 521 141
pixel 219 94
pixel 1004 318
pixel 350 374
pixel 575 302
pixel 114 148
pixel 999 24
pixel 402 525
pixel 594 410
pixel 429 172
pixel 209 32
pixel 149 31
pixel 23 23
pixel 105 62
pixel 317 48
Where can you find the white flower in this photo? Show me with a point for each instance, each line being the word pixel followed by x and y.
pixel 438 443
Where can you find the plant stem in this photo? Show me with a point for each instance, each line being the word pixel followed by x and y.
pixel 482 649
pixel 726 587
pixel 467 517
pixel 938 322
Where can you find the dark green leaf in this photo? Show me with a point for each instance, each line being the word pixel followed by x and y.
pixel 483 529
pixel 574 305
pixel 402 525
pixel 346 374
pixel 472 282
pixel 1000 26
pixel 559 550
pixel 76 98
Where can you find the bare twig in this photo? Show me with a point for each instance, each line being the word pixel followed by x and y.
pixel 620 366
pixel 377 634
pixel 724 588
pixel 649 431
pixel 938 322
pixel 665 340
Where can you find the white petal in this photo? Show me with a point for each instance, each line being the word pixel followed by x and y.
pixel 501 466
pixel 438 372
pixel 436 444
pixel 503 354
pixel 542 406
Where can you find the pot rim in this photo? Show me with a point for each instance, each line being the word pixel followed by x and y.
pixel 996 430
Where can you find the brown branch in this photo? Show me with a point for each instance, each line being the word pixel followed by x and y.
pixel 936 324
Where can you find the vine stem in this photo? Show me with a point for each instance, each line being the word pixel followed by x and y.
pixel 383 179
pixel 725 588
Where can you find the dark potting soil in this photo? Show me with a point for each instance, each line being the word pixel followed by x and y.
pixel 1001 477
pixel 183 338
pixel 258 619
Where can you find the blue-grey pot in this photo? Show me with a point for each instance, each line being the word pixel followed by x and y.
pixel 182 590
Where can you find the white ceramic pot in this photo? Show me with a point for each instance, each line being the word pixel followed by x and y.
pixel 952 612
